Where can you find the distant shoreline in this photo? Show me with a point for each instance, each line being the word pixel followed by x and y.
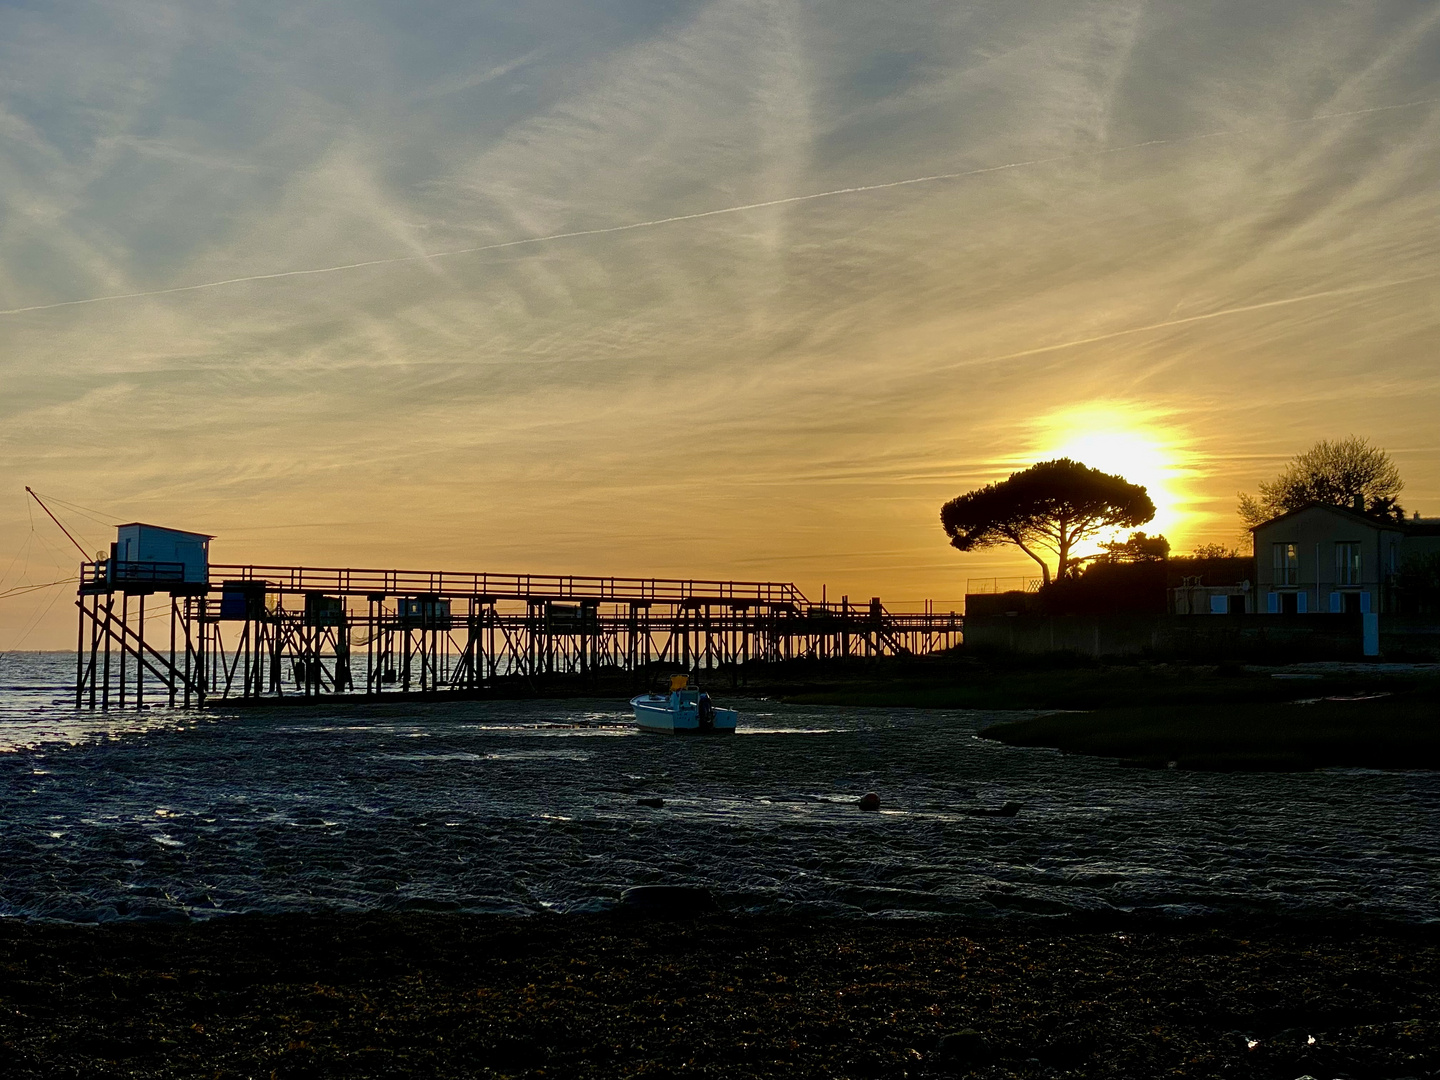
pixel 957 679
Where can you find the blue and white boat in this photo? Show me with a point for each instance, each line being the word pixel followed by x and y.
pixel 683 711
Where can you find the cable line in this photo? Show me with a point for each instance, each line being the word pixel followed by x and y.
pixel 85 555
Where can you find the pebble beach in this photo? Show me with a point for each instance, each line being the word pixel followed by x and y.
pixel 718 996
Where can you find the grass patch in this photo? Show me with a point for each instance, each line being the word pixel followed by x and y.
pixel 1401 731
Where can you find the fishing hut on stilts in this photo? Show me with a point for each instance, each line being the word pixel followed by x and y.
pixel 160 624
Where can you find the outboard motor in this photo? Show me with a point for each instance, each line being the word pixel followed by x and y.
pixel 705 713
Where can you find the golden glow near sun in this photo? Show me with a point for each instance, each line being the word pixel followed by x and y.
pixel 1128 442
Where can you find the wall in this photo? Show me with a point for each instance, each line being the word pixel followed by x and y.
pixel 1410 637
pixel 1003 603
pixel 1245 638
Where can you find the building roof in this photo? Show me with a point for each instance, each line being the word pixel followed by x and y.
pixel 163 528
pixel 1343 511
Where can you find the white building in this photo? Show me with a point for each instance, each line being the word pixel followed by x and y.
pixel 145 555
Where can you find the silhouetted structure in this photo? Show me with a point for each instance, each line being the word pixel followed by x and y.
pixel 247 631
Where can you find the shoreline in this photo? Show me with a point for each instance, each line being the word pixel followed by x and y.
pixel 1396 730
pixel 613 996
pixel 952 680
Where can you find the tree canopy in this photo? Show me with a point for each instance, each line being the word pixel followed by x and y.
pixel 1334 473
pixel 1216 551
pixel 1139 548
pixel 1046 509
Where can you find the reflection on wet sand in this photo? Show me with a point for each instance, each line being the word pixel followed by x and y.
pixel 521 807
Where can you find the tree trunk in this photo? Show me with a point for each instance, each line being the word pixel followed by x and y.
pixel 1044 566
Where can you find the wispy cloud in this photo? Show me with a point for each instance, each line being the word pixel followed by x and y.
pixel 780 201
pixel 481 282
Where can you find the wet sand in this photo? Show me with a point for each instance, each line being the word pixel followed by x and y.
pixel 420 995
pixel 1375 731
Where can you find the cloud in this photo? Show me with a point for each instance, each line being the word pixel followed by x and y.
pixel 472 80
pixel 737 286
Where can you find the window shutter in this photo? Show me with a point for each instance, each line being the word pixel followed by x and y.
pixel 1370 633
pixel 1337 603
pixel 1364 603
pixel 1272 603
pixel 1302 603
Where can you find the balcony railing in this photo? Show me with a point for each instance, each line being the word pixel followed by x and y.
pixel 108 575
pixel 146 571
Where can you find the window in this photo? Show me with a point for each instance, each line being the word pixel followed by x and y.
pixel 1347 562
pixel 1287 564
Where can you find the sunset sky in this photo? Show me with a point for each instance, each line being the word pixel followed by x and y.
pixel 721 288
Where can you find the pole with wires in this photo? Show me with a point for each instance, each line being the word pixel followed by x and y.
pixel 84 555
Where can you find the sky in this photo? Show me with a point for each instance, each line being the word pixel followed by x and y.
pixel 718 288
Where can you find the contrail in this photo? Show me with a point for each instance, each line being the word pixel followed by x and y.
pixel 740 209
pixel 1222 313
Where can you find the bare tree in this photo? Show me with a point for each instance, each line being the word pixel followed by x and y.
pixel 1334 473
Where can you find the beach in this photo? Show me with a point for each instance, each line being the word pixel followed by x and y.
pixel 719 996
pixel 440 892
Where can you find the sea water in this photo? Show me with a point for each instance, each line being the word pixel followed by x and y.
pixel 529 806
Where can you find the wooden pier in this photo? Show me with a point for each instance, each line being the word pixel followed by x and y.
pixel 157 633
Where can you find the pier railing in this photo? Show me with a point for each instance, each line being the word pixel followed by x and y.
pixel 346 581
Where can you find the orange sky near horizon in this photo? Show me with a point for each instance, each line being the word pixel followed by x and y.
pixel 789 276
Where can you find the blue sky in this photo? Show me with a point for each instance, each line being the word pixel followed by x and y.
pixel 788 391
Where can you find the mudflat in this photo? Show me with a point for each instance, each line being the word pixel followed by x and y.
pixel 1376 730
pixel 961 681
pixel 422 995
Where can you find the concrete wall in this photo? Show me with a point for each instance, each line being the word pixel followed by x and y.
pixel 1241 638
pixel 1021 603
pixel 1410 637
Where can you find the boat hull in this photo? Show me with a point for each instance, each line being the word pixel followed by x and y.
pixel 658 715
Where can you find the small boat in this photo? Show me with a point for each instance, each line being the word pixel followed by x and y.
pixel 683 711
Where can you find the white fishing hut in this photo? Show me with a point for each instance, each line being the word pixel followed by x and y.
pixel 149 555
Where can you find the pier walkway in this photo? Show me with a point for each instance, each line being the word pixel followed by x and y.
pixel 163 632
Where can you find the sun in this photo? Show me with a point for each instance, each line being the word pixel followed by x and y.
pixel 1128 441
